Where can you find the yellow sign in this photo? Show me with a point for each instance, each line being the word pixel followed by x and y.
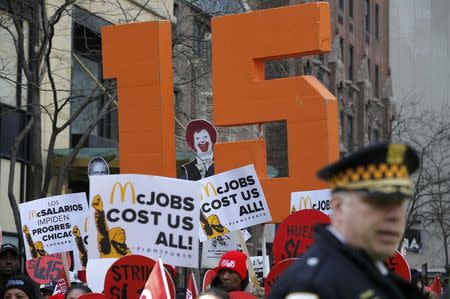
pixel 123 189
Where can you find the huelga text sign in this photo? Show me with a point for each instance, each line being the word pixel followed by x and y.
pixel 230 201
pixel 56 224
pixel 147 215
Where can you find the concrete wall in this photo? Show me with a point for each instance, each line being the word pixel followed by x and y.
pixel 420 50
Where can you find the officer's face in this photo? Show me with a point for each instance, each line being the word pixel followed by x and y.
pixel 373 225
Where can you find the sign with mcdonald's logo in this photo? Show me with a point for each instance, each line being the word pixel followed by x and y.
pixel 319 200
pixel 230 201
pixel 55 224
pixel 147 215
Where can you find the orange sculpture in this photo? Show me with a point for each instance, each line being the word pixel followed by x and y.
pixel 139 56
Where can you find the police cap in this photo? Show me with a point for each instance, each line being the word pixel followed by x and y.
pixel 379 171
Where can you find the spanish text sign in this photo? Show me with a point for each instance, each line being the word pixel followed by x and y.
pixel 230 201
pixel 147 215
pixel 55 224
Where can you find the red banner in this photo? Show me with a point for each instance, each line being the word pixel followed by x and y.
pixel 398 265
pixel 46 268
pixel 276 271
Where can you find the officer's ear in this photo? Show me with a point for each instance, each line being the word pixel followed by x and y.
pixel 338 201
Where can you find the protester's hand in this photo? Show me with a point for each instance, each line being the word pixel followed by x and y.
pixel 25 229
pixel 258 292
pixel 76 231
pixel 97 203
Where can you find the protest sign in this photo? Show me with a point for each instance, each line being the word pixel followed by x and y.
pixel 230 201
pixel 52 225
pixel 127 276
pixel 46 268
pixel 398 265
pixel 319 200
pixel 96 272
pixel 213 249
pixel 257 262
pixel 295 233
pixel 276 271
pixel 147 215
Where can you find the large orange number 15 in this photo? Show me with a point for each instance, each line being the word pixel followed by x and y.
pixel 134 54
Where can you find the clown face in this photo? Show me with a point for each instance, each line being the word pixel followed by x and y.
pixel 202 142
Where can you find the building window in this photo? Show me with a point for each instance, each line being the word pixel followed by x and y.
pixel 377 81
pixel 178 112
pixel 202 39
pixel 376 136
pixel 13 89
pixel 341 4
pixel 350 132
pixel 341 121
pixel 368 67
pixel 367 15
pixel 350 62
pixel 86 47
pixel 377 22
pixel 341 45
pixel 350 8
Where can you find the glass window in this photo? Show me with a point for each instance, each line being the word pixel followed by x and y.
pixel 367 15
pixel 350 62
pixel 8 61
pixel 377 21
pixel 350 132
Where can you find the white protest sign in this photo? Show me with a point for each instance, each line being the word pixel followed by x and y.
pixel 319 200
pixel 96 272
pixel 148 215
pixel 230 201
pixel 213 249
pixel 56 224
pixel 257 262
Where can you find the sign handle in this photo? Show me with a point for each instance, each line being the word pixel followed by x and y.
pixel 264 249
pixel 250 268
pixel 66 270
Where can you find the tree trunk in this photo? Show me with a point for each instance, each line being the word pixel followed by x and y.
pixel 12 168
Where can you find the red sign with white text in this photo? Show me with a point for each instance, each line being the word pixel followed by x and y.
pixel 46 268
pixel 295 233
pixel 127 276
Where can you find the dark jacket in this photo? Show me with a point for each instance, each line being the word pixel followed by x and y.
pixel 190 172
pixel 333 270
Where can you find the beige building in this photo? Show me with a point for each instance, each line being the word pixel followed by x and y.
pixel 75 59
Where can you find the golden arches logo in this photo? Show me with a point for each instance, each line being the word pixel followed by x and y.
pixel 33 214
pixel 86 224
pixel 305 203
pixel 123 190
pixel 206 188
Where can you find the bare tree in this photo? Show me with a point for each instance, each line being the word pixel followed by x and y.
pixel 429 133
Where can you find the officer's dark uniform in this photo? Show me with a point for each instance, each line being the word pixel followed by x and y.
pixel 331 269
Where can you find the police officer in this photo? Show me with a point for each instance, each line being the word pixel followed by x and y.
pixel 369 189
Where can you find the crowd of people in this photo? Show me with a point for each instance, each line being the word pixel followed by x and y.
pixel 369 191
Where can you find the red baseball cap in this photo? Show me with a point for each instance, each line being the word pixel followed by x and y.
pixel 234 260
